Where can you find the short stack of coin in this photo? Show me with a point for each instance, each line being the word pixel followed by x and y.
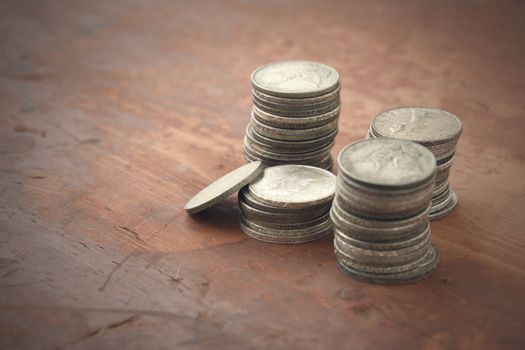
pixel 288 204
pixel 438 131
pixel 295 114
pixel 380 211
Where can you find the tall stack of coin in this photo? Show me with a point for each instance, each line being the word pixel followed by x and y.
pixel 288 204
pixel 380 211
pixel 438 131
pixel 295 114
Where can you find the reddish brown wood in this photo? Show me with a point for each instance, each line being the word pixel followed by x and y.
pixel 114 113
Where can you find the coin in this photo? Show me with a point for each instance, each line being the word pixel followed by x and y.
pixel 293 134
pixel 399 274
pixel 332 95
pixel 293 186
pixel 380 211
pixel 284 224
pixel 381 231
pixel 288 216
pixel 291 79
pixel 452 202
pixel 421 234
pixel 387 162
pixel 295 111
pixel 224 187
pixel 383 257
pixel 420 124
pixel 295 122
pixel 424 269
pixel 291 157
pixel 286 236
pixel 303 145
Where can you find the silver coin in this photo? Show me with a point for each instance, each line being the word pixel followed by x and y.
pixel 299 152
pixel 302 232
pixel 288 239
pixel 324 164
pixel 385 207
pixel 451 205
pixel 420 124
pixel 290 217
pixel 261 142
pixel 440 201
pixel 281 160
pixel 327 164
pixel 284 224
pixel 297 107
pixel 293 134
pixel 383 270
pixel 332 95
pixel 295 79
pixel 304 145
pixel 387 162
pixel 312 211
pixel 295 111
pixel 291 157
pixel 380 231
pixel 224 187
pixel 383 257
pixel 294 186
pixel 295 122
pixel 423 232
pixel 424 269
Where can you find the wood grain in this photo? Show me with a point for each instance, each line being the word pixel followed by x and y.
pixel 115 113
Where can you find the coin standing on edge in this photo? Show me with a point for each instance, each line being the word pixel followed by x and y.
pixel 224 187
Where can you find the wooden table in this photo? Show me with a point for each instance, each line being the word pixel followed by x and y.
pixel 115 113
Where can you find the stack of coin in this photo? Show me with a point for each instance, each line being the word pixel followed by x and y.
pixel 380 211
pixel 438 131
pixel 295 114
pixel 288 204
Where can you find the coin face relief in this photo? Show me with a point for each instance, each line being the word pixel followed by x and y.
pixel 295 79
pixel 387 162
pixel 419 124
pixel 294 186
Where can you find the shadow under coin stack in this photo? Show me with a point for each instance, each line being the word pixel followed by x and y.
pixel 295 114
pixel 383 193
pixel 288 204
pixel 438 131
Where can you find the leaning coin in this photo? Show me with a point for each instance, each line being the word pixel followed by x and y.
pixel 224 187
pixel 294 186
